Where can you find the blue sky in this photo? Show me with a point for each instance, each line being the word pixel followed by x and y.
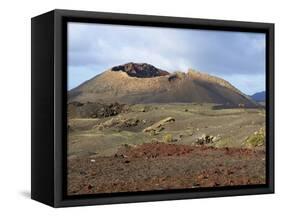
pixel 234 56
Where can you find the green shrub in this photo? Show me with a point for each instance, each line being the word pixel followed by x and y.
pixel 180 75
pixel 168 138
pixel 256 140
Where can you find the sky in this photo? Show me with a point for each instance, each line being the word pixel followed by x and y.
pixel 237 57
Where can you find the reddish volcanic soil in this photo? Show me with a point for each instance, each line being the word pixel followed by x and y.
pixel 165 166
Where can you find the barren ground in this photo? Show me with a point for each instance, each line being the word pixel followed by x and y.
pixel 114 154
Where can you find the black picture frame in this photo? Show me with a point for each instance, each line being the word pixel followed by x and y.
pixel 49 95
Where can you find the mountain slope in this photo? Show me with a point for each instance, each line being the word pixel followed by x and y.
pixel 143 83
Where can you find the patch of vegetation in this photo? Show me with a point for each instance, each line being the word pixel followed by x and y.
pixel 180 74
pixel 256 140
pixel 168 138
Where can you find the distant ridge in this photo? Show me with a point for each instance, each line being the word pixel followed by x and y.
pixel 259 97
pixel 144 83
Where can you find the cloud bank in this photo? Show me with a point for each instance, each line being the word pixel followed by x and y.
pixel 235 56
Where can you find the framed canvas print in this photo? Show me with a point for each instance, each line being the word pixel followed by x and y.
pixel 133 108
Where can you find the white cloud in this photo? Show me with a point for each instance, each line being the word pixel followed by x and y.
pixel 93 48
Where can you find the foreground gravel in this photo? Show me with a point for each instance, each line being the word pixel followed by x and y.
pixel 165 166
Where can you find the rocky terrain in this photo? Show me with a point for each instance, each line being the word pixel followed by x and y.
pixel 142 70
pixel 166 166
pixel 94 109
pixel 156 146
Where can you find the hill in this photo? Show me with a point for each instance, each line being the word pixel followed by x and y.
pixel 259 97
pixel 143 83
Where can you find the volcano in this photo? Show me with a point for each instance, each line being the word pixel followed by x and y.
pixel 134 83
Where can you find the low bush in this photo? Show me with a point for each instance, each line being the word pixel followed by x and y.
pixel 168 138
pixel 256 140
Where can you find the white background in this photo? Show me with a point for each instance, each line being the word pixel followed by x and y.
pixel 15 106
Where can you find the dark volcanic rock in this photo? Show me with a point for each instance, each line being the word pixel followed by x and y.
pixel 140 70
pixel 94 109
